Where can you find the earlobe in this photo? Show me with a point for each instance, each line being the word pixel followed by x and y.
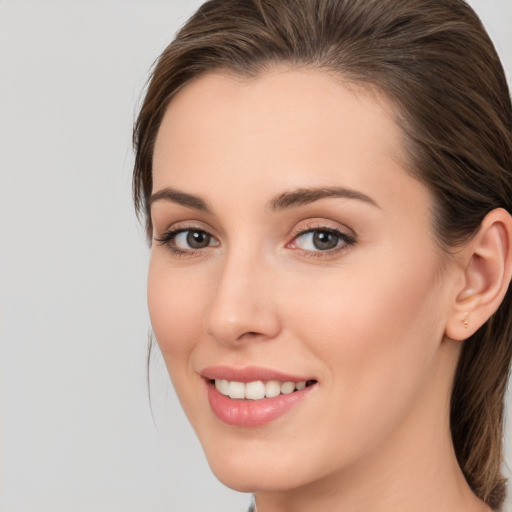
pixel 487 270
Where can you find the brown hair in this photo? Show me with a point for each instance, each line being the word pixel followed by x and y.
pixel 434 61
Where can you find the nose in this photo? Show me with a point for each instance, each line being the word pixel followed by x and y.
pixel 243 304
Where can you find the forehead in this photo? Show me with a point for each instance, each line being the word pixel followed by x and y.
pixel 295 127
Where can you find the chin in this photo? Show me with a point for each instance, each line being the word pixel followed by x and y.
pixel 250 480
pixel 251 471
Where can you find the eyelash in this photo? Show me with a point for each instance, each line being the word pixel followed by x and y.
pixel 344 241
pixel 168 238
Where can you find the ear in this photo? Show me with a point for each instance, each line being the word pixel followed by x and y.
pixel 486 270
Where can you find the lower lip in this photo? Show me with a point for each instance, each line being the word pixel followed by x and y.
pixel 252 413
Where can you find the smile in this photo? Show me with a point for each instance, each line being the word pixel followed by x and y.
pixel 254 396
pixel 258 390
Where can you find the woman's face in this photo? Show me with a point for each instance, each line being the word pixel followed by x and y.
pixel 290 245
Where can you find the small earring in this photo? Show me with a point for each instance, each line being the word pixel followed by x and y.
pixel 466 324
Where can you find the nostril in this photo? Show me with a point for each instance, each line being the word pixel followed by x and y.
pixel 250 335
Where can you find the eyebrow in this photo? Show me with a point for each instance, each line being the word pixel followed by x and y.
pixel 304 196
pixel 182 198
pixel 298 197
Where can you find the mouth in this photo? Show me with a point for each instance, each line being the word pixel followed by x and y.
pixel 252 397
pixel 258 389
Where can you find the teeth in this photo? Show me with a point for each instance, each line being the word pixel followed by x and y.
pixel 236 390
pixel 222 386
pixel 258 389
pixel 287 388
pixel 255 390
pixel 272 388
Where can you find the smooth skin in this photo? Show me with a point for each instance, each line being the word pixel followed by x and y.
pixel 350 287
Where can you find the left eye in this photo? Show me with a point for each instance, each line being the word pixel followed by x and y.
pixel 192 239
pixel 320 240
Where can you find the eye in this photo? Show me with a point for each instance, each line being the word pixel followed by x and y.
pixel 182 241
pixel 321 240
pixel 192 239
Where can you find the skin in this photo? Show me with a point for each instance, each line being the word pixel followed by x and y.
pixel 366 319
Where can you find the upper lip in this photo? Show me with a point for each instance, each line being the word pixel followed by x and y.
pixel 250 374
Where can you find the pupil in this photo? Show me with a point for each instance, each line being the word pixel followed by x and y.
pixel 198 239
pixel 324 240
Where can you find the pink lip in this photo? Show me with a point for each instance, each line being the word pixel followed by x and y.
pixel 250 413
pixel 249 374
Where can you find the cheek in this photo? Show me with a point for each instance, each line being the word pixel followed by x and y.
pixel 377 328
pixel 362 306
pixel 175 310
pixel 375 343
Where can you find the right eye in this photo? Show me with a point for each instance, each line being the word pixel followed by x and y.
pixel 192 239
pixel 189 240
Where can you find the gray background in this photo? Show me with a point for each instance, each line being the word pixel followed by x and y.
pixel 76 431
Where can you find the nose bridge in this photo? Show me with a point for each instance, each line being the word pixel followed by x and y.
pixel 241 304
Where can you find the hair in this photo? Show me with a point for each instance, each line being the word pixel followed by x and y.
pixel 435 63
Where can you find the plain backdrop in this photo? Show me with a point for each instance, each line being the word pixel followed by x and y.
pixel 76 430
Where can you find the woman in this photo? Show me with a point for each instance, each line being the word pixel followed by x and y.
pixel 326 188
